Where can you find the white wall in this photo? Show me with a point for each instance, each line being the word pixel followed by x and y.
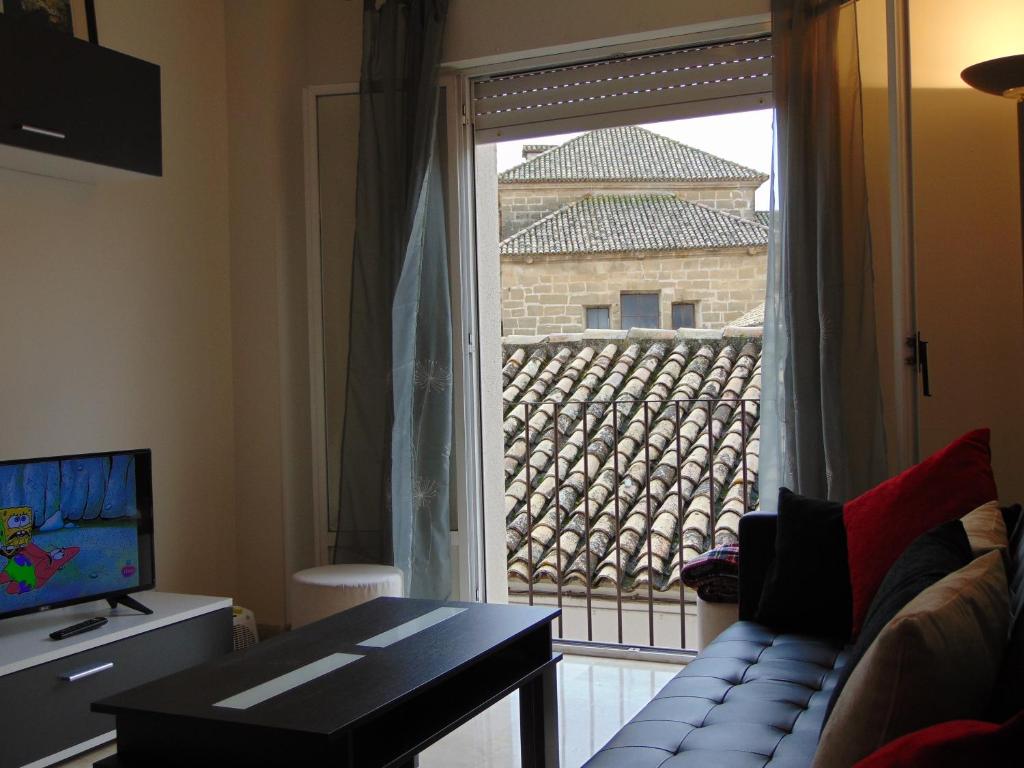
pixel 480 31
pixel 115 302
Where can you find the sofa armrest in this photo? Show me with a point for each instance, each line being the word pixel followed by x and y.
pixel 757 551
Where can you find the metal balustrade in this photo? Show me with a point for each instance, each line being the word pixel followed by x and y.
pixel 648 485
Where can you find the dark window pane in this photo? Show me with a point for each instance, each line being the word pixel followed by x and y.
pixel 684 315
pixel 640 310
pixel 598 317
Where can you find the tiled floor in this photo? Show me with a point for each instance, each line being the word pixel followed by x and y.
pixel 595 697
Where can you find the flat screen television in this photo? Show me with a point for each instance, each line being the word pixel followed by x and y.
pixel 75 529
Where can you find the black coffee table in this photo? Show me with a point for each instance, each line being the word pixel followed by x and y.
pixel 367 688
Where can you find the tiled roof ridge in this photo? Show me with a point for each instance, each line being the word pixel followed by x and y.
pixel 505 175
pixel 611 336
pixel 752 318
pixel 746 173
pixel 542 219
pixel 754 214
pixel 756 220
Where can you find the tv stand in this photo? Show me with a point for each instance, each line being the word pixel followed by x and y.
pixel 128 602
pixel 63 679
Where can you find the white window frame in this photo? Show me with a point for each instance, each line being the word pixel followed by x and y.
pixel 478 358
pixel 469 582
pixel 314 309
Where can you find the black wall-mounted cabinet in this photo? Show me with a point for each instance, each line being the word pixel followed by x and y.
pixel 63 96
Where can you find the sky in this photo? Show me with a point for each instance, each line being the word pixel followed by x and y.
pixel 743 137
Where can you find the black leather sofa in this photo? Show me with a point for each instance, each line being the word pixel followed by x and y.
pixel 752 698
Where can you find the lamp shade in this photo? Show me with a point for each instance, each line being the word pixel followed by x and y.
pixel 1002 77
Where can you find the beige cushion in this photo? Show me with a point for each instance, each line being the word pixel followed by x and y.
pixel 936 660
pixel 986 529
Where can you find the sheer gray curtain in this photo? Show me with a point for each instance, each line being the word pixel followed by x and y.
pixel 396 441
pixel 822 430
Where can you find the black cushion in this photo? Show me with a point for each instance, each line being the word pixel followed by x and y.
pixel 753 697
pixel 1012 517
pixel 929 558
pixel 1009 696
pixel 1015 577
pixel 757 543
pixel 807 589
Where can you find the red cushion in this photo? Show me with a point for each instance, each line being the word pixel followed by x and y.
pixel 882 522
pixel 954 744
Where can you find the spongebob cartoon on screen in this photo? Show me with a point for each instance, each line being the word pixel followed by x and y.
pixel 28 566
pixel 69 530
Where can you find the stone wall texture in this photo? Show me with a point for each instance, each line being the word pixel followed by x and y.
pixel 520 205
pixel 551 294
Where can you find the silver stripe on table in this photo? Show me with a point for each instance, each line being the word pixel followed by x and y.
pixel 410 628
pixel 286 682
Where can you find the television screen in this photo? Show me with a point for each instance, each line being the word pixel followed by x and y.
pixel 74 528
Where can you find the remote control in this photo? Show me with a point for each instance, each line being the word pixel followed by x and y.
pixel 77 629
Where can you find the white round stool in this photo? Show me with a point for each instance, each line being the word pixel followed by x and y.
pixel 317 593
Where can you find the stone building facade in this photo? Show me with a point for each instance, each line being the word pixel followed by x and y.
pixel 625 211
pixel 551 294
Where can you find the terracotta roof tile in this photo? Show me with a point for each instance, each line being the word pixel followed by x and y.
pixel 602 483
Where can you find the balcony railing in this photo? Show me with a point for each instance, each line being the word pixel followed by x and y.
pixel 613 497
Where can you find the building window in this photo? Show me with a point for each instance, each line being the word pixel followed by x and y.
pixel 599 317
pixel 684 315
pixel 640 310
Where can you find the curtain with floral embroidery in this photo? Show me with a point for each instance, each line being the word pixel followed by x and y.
pixel 397 436
pixel 822 429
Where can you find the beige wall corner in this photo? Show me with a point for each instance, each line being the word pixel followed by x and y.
pixel 334 41
pixel 968 230
pixel 115 302
pixel 265 73
pixel 274 49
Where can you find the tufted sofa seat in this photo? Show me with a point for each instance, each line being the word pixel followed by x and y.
pixel 752 698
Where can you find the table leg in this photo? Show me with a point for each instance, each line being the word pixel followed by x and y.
pixel 538 720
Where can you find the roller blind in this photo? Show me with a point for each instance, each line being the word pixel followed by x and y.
pixel 707 79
